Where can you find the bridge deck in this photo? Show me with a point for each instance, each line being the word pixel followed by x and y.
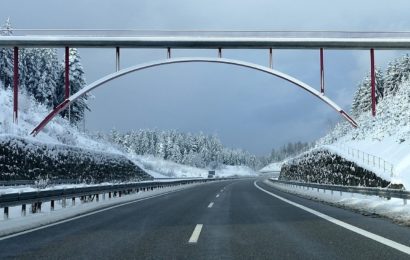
pixel 207 39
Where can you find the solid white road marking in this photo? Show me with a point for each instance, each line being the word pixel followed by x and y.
pixel 210 205
pixel 380 239
pixel 195 235
pixel 86 214
pixel 217 195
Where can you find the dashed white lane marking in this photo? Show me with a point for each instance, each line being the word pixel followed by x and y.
pixel 380 239
pixel 210 205
pixel 195 235
pixel 217 195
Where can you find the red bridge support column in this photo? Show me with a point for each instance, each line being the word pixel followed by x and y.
pixel 15 84
pixel 67 79
pixel 67 71
pixel 373 82
pixel 322 73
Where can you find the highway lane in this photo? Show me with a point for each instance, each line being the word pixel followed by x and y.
pixel 238 222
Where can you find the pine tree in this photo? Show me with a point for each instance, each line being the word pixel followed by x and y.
pixel 39 74
pixel 362 101
pixel 6 58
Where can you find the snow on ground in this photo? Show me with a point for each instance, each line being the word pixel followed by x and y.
pixel 59 131
pixel 236 170
pixel 160 167
pixel 273 167
pixel 17 223
pixel 393 208
pixel 387 136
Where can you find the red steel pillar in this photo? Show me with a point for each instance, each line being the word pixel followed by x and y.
pixel 15 84
pixel 373 82
pixel 322 73
pixel 67 71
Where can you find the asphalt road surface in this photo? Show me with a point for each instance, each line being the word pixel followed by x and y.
pixel 220 220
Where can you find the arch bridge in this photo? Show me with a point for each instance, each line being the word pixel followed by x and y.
pixel 217 40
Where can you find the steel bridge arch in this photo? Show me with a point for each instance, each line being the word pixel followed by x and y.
pixel 147 65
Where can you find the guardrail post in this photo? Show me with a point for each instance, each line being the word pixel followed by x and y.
pixel 341 193
pixel 331 192
pixel 23 210
pixel 63 202
pixel 52 205
pixel 404 202
pixel 109 195
pixel 103 196
pixel 119 194
pixel 97 198
pixel 6 212
pixel 73 201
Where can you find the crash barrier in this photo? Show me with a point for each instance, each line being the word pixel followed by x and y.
pixel 85 194
pixel 372 191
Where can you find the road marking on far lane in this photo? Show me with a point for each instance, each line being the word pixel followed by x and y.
pixel 195 235
pixel 385 241
pixel 210 205
pixel 217 195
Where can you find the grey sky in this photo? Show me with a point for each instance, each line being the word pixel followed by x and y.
pixel 244 108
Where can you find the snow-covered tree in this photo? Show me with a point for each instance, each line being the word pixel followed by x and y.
pixel 6 58
pixel 362 101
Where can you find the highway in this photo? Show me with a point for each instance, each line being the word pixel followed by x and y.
pixel 221 220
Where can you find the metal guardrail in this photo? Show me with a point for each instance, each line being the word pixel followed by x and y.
pixel 368 159
pixel 373 191
pixel 37 197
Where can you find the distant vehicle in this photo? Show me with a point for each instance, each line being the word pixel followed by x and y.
pixel 211 174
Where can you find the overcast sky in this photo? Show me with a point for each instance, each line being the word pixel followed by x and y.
pixel 246 109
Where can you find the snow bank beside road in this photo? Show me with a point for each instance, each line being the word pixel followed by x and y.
pixel 393 208
pixel 388 134
pixel 17 223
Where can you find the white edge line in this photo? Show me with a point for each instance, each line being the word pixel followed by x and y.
pixel 217 195
pixel 210 205
pixel 380 239
pixel 84 215
pixel 195 235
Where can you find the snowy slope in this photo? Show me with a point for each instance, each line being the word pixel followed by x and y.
pixel 386 136
pixel 59 131
pixel 273 167
pixel 163 168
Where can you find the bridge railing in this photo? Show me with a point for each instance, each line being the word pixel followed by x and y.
pixel 368 159
pixel 207 33
pixel 36 198
pixel 373 191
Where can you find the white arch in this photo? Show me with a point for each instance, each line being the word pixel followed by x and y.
pixel 147 65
